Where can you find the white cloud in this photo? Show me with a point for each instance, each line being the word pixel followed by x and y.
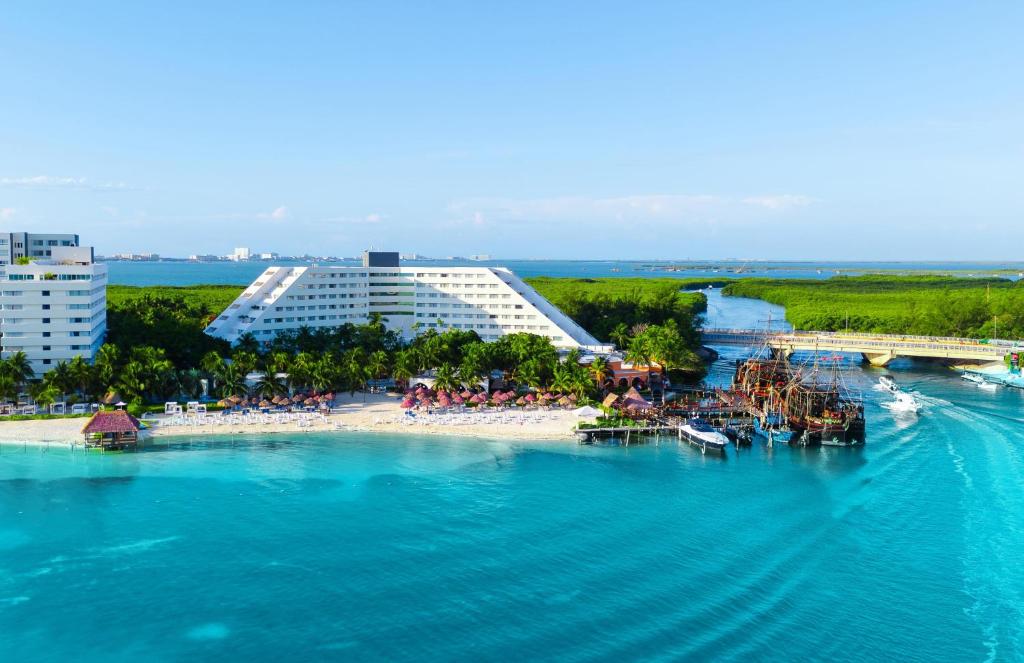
pixel 778 202
pixel 704 211
pixel 7 212
pixel 54 182
pixel 370 219
pixel 277 214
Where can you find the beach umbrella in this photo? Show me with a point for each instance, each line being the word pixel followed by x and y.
pixel 310 401
pixel 458 400
pixel 530 397
pixel 563 401
pixel 235 399
pixel 406 404
pixel 111 398
pixel 466 393
pixel 444 401
pixel 264 403
pixel 572 397
pixel 298 398
pixel 520 401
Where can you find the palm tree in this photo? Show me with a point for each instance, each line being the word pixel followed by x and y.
pixel 81 374
pixel 599 370
pixel 191 382
pixel 8 388
pixel 232 380
pixel 247 343
pixel 378 364
pixel 620 335
pixel 639 354
pixel 270 384
pixel 405 365
pixel 19 368
pixel 445 378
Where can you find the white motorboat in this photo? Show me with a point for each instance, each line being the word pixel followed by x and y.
pixel 986 385
pixel 700 434
pixel 888 384
pixel 902 402
pixel 973 377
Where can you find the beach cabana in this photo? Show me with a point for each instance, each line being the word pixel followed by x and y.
pixel 632 400
pixel 112 430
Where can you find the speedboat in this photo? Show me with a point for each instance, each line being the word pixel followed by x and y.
pixel 902 402
pixel 888 384
pixel 987 385
pixel 700 434
pixel 973 377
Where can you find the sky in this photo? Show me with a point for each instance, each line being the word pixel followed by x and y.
pixel 591 130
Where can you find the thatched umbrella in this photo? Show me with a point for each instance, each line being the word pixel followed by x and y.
pixel 573 398
pixel 224 403
pixel 458 400
pixel 407 403
pixel 264 403
pixel 466 393
pixel 112 397
pixel 521 401
pixel 444 401
pixel 235 399
pixel 564 400
pixel 530 397
pixel 298 398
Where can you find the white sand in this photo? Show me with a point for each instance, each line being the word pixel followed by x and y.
pixel 379 413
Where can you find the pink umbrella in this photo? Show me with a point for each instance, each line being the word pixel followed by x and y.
pixel 407 404
pixel 466 393
pixel 530 398
pixel 458 400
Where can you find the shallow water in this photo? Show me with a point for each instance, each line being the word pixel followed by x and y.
pixel 377 546
pixel 356 546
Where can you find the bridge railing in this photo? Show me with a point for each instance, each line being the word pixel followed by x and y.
pixel 882 341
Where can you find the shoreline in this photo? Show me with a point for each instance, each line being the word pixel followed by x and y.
pixel 374 413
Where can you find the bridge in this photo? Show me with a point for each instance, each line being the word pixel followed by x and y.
pixel 879 349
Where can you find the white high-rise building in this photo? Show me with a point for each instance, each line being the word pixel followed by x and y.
pixel 54 308
pixel 492 301
pixel 31 245
pixel 241 253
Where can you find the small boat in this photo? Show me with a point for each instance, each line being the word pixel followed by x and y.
pixel 987 385
pixel 888 384
pixel 973 377
pixel 902 403
pixel 773 427
pixel 700 434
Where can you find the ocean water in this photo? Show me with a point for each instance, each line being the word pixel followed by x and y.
pixel 355 546
pixel 243 273
pixel 360 546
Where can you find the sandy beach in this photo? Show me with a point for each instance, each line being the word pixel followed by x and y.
pixel 372 412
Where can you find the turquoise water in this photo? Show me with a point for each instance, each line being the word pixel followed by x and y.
pixel 355 546
pixel 235 273
pixel 358 546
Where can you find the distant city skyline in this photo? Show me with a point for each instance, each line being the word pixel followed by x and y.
pixel 803 131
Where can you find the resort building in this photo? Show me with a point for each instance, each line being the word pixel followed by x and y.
pixel 31 245
pixel 54 308
pixel 492 301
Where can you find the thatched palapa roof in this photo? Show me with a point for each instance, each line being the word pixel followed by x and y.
pixel 116 421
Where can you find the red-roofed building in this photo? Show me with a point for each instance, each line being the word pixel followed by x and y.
pixel 112 430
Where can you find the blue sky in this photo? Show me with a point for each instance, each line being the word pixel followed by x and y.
pixel 802 130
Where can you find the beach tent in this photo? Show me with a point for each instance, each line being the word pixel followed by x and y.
pixel 587 411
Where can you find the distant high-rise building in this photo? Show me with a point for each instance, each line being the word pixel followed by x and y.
pixel 241 253
pixel 55 307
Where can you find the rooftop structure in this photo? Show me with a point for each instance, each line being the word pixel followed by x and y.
pixel 54 308
pixel 492 301
pixel 31 245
